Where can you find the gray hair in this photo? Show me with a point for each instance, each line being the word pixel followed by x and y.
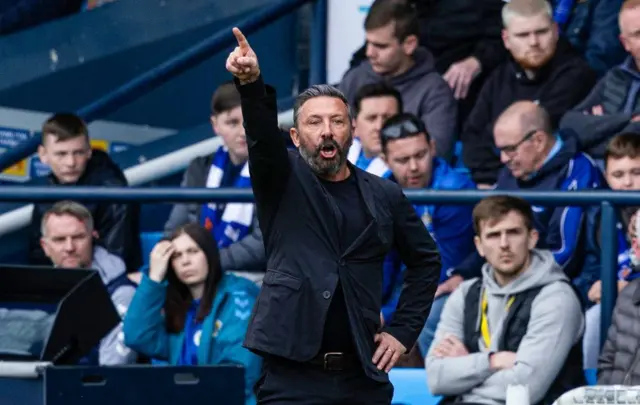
pixel 71 208
pixel 319 90
pixel 525 8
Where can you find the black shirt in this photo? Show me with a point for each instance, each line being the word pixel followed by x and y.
pixel 353 220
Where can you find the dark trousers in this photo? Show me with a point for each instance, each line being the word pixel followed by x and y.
pixel 285 382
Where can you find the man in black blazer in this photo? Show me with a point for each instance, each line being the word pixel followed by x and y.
pixel 327 227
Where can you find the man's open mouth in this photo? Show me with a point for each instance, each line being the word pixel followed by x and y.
pixel 328 151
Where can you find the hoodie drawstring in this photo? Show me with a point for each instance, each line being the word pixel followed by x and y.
pixel 484 321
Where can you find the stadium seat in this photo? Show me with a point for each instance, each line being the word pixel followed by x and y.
pixel 149 240
pixel 591 374
pixel 410 387
pixel 456 160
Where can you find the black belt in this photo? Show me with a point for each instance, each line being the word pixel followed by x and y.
pixel 336 361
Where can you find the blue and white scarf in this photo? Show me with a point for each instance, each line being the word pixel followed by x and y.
pixel 374 166
pixel 235 222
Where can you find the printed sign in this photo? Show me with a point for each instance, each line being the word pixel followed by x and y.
pixel 100 145
pixel 10 138
pixel 119 147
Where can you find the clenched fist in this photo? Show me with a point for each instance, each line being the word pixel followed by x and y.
pixel 243 62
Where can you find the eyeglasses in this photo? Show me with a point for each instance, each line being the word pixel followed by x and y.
pixel 511 149
pixel 402 128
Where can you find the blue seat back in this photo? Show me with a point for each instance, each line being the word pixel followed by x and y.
pixel 591 375
pixel 148 240
pixel 410 387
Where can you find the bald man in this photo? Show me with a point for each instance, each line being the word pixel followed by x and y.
pixel 537 159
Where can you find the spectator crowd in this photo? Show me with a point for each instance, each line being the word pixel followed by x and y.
pixel 519 95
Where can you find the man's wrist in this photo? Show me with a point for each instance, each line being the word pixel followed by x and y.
pixel 492 366
pixel 252 80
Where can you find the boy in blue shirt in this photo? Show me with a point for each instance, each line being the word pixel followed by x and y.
pixel 622 172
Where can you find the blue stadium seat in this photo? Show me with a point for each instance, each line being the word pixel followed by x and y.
pixel 149 240
pixel 456 160
pixel 591 374
pixel 410 387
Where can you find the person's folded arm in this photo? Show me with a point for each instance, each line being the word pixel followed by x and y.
pixel 551 333
pixel 452 376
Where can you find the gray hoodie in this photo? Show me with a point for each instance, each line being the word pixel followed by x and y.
pixel 111 268
pixel 424 93
pixel 556 324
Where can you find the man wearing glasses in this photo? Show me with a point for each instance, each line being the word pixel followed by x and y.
pixel 537 159
pixel 410 153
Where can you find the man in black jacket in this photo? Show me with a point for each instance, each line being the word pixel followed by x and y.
pixel 327 227
pixel 542 69
pixel 66 150
pixel 613 106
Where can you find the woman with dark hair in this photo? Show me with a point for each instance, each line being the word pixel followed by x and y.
pixel 188 312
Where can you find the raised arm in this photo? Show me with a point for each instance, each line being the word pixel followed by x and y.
pixel 268 159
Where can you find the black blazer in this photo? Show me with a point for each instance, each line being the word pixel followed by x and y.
pixel 299 223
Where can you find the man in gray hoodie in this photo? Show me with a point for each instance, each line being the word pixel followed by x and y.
pixel 67 239
pixel 521 324
pixel 394 55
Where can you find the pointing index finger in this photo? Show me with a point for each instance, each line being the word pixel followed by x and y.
pixel 242 41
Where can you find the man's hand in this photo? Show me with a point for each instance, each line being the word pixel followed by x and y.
pixel 460 75
pixel 449 286
pixel 388 352
pixel 450 346
pixel 597 110
pixel 622 284
pixel 502 360
pixel 636 118
pixel 243 62
pixel 595 292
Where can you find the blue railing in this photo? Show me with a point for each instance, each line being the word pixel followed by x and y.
pixel 607 200
pixel 190 58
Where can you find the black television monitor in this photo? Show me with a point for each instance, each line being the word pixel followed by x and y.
pixel 52 314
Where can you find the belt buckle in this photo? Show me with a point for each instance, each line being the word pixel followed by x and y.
pixel 333 361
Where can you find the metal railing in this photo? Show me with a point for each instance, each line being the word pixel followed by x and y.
pixel 190 58
pixel 607 200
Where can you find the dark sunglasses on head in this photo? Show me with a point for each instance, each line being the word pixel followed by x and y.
pixel 402 128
